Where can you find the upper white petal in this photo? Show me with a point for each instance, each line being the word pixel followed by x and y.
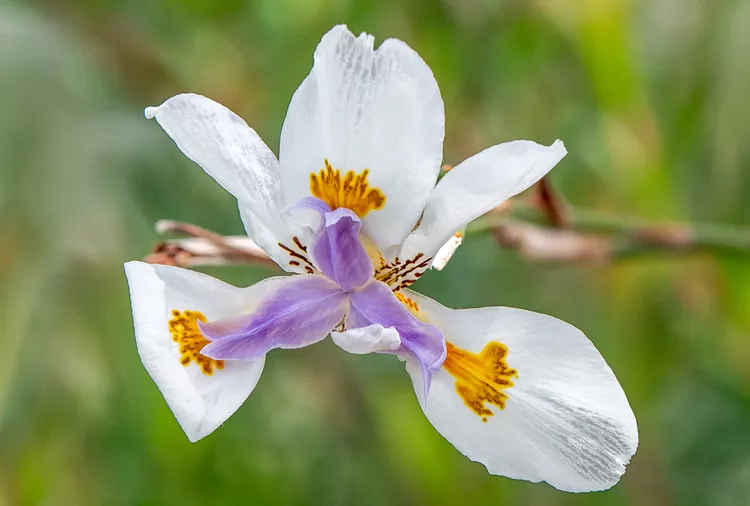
pixel 363 109
pixel 235 156
pixel 566 421
pixel 199 402
pixel 476 186
pixel 370 339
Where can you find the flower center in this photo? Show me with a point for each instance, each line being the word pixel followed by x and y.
pixel 184 329
pixel 481 377
pixel 399 273
pixel 350 190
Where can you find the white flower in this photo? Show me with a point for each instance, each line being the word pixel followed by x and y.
pixel 352 205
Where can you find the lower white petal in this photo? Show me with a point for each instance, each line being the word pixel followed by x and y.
pixel 565 419
pixel 201 396
pixel 370 339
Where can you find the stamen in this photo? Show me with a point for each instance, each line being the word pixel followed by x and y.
pixel 351 191
pixel 184 329
pixel 481 377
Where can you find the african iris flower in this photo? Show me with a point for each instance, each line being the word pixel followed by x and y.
pixel 352 209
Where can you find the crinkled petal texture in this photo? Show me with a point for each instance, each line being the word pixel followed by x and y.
pixel 235 156
pixel 371 339
pixel 420 342
pixel 200 401
pixel 476 186
pixel 301 312
pixel 566 420
pixel 365 109
pixel 337 251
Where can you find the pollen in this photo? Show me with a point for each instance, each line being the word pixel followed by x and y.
pixel 350 190
pixel 185 332
pixel 481 378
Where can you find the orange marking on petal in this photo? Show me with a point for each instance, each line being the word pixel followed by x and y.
pixel 350 190
pixel 406 301
pixel 184 329
pixel 481 378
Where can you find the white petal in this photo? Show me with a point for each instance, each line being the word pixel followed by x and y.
pixel 363 109
pixel 566 420
pixel 370 339
pixel 199 402
pixel 235 156
pixel 283 233
pixel 476 186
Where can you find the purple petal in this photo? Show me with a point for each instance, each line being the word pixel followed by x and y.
pixel 302 312
pixel 337 251
pixel 376 303
pixel 313 203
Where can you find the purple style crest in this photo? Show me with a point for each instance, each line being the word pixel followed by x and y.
pixel 306 308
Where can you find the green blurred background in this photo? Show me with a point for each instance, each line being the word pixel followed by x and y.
pixel 651 99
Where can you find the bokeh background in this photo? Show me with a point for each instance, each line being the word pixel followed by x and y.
pixel 651 99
